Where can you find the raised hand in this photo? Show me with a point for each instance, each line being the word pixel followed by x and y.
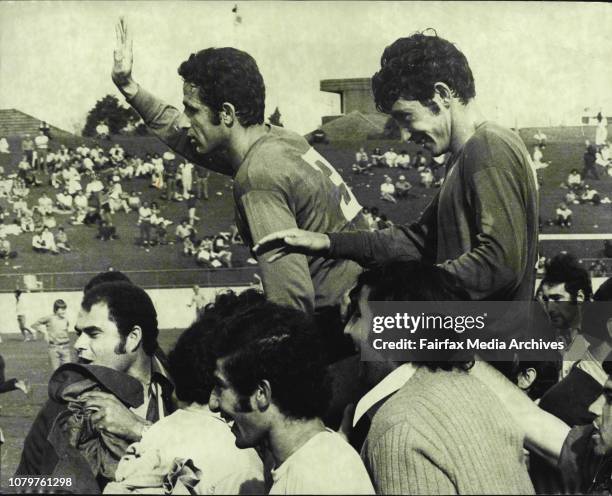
pixel 293 241
pixel 123 60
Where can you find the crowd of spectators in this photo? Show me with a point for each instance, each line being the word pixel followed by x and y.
pixel 88 185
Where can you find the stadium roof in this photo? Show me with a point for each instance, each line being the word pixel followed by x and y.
pixel 14 122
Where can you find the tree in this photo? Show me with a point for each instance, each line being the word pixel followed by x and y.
pixel 116 116
pixel 275 118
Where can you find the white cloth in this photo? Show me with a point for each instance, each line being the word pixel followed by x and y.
pixel 388 188
pixel 192 433
pixel 42 142
pixel 325 464
pixel 392 383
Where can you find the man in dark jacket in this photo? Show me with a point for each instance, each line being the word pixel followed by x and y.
pixel 99 406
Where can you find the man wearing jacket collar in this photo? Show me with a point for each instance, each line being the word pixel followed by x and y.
pixel 117 389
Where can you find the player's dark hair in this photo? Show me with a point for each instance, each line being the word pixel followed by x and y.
pixel 128 306
pixel 106 276
pixel 565 269
pixel 415 281
pixel 280 345
pixel 57 304
pixel 227 75
pixel 192 361
pixel 411 66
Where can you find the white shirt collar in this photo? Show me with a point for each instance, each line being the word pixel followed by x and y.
pixel 389 385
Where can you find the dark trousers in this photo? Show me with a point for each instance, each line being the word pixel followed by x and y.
pixel 343 364
pixel 5 386
pixel 590 169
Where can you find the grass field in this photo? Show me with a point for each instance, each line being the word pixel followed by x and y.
pixel 30 361
pixel 565 149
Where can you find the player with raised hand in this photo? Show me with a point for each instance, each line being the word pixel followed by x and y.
pixel 280 181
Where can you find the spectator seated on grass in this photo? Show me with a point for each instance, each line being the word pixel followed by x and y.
pixel 420 161
pixel 5 249
pixel 183 230
pixel 160 225
pixel 204 256
pixel 117 199
pixel 402 186
pixel 574 180
pixel 376 157
pixel 133 201
pixel 45 204
pixel 538 156
pixel 390 157
pixel 106 228
pixel 387 190
pixel 80 207
pixel 94 186
pixel 64 202
pixel 384 222
pixel 44 242
pixel 362 164
pixel 144 167
pixel 589 195
pixel 403 160
pixel 564 216
pixel 61 240
pixel 368 217
pixel 427 177
pixel 116 153
pixel 221 251
pixel 190 244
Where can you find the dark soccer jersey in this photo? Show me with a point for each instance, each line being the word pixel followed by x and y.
pixel 284 183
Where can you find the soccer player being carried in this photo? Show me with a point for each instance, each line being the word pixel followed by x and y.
pixel 280 182
pixel 482 226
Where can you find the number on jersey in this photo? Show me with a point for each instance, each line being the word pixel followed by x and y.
pixel 348 203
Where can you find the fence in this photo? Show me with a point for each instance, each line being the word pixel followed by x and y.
pixel 149 279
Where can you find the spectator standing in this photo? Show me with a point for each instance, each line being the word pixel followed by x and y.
pixel 201 183
pixel 186 170
pixel 27 147
pixel 170 171
pixel 144 221
pixel 20 310
pixel 199 301
pixel 601 132
pixel 590 159
pixel 55 329
pixel 192 202
pixel 42 147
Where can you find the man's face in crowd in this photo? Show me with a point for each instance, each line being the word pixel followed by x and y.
pixel 99 341
pixel 61 313
pixel 602 407
pixel 248 426
pixel 359 318
pixel 559 304
pixel 419 124
pixel 205 135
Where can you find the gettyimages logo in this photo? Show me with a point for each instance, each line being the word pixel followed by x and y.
pixel 448 331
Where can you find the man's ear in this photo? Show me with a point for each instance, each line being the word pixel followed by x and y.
pixel 263 395
pixel 580 296
pixel 227 114
pixel 443 92
pixel 527 378
pixel 133 339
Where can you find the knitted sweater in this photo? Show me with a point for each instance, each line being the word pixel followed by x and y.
pixel 445 433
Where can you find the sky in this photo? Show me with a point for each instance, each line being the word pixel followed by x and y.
pixel 535 64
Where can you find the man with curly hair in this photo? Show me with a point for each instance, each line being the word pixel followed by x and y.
pixel 271 381
pixel 482 225
pixel 280 181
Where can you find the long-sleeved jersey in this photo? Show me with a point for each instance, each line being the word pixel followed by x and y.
pixel 282 183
